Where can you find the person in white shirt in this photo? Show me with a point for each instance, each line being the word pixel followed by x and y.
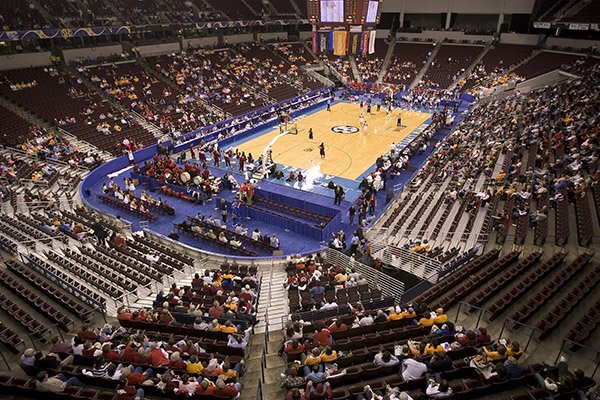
pixel 438 390
pixel 256 234
pixel 366 320
pixel 412 369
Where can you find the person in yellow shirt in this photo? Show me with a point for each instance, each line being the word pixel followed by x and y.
pixel 409 313
pixel 395 314
pixel 194 367
pixel 513 350
pixel 314 357
pixel 441 318
pixel 498 354
pixel 229 327
pixel 328 355
pixel 432 348
pixel 427 320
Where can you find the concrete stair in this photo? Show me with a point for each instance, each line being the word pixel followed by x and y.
pixel 387 60
pixel 425 67
pixel 355 71
pixel 273 306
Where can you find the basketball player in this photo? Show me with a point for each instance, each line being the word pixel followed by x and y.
pixel 399 124
pixel 361 119
pixel 365 127
pixel 310 134
pixel 322 150
pixel 328 105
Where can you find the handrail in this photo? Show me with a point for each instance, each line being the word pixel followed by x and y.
pixel 509 320
pixel 389 286
pixel 589 351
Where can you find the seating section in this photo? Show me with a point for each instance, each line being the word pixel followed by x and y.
pixel 65 280
pixel 584 328
pixel 23 317
pixel 17 15
pixel 503 279
pixel 543 62
pixel 51 290
pixel 41 305
pixel 583 216
pixel 566 305
pixel 15 130
pixel 589 13
pixel 370 65
pixel 543 295
pixel 235 10
pixel 450 62
pixel 74 107
pixel 407 61
pixel 524 286
pixel 451 280
pixel 460 291
pixel 492 69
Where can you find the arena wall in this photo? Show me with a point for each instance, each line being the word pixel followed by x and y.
pixel 438 36
pixel 566 42
pixel 247 37
pixel 521 38
pixel 157 49
pixel 459 6
pixel 71 55
pixel 201 42
pixel 28 60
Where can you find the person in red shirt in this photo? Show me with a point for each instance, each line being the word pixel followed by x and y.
pixel 142 357
pixel 136 376
pixel 126 391
pixel 87 334
pixel 216 311
pixel 176 363
pixel 229 390
pixel 157 357
pixel 323 337
pixel 109 354
pixel 206 388
pixel 337 326
pixel 129 353
pixel 294 347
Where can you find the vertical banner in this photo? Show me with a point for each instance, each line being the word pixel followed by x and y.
pixel 355 39
pixel 314 42
pixel 364 46
pixel 322 42
pixel 340 43
pixel 330 42
pixel 372 42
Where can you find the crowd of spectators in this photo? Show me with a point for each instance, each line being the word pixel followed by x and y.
pixel 48 146
pixel 133 86
pixel 129 359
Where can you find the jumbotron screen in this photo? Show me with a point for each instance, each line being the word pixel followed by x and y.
pixel 338 12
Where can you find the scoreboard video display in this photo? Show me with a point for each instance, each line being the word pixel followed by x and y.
pixel 344 12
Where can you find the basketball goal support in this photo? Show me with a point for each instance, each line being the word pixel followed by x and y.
pixel 267 159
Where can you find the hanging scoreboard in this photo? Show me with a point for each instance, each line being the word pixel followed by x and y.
pixel 344 12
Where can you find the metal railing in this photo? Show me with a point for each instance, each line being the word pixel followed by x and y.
pixel 389 286
pixel 586 354
pixel 406 260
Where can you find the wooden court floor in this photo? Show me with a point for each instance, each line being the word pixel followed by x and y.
pixel 347 155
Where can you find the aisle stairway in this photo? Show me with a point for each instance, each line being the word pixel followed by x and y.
pixel 272 304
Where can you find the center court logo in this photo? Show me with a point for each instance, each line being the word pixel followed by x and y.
pixel 344 129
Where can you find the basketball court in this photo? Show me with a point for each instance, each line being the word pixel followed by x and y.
pixel 349 150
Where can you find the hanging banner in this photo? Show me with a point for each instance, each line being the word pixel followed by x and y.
pixel 322 42
pixel 372 42
pixel 340 43
pixel 364 44
pixel 314 43
pixel 330 42
pixel 355 39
